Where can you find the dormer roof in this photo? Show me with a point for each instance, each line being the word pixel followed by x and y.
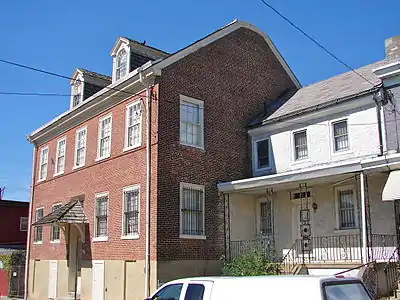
pixel 139 48
pixel 92 77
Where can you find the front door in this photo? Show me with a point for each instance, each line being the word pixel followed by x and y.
pixel 397 219
pixel 98 280
pixel 53 271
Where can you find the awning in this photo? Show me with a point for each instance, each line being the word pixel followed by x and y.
pixel 391 191
pixel 72 212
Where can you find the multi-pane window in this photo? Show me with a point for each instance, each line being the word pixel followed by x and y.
pixel 77 92
pixel 266 218
pixel 262 154
pixel 192 210
pixel 55 230
pixel 23 224
pixel 80 147
pixel 340 135
pixel 44 157
pixel 347 216
pixel 131 212
pixel 191 122
pixel 101 216
pixel 60 159
pixel 300 145
pixel 121 64
pixel 133 125
pixel 38 235
pixel 104 137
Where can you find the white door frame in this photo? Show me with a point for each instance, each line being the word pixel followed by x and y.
pixel 94 295
pixel 52 286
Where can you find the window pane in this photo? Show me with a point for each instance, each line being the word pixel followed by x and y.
pixel 300 144
pixel 347 291
pixel 263 153
pixel 194 292
pixel 190 124
pixel 340 135
pixel 131 221
pixel 266 217
pixel 192 211
pixel 121 67
pixel 101 216
pixel 346 209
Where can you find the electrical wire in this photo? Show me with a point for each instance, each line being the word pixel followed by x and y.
pixel 35 94
pixel 315 41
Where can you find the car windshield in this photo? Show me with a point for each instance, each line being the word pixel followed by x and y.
pixel 346 291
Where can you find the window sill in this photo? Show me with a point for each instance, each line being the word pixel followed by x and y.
pixel 77 167
pixel 131 147
pixel 100 239
pixel 300 161
pixel 130 237
pixel 341 152
pixel 102 158
pixel 41 180
pixel 58 174
pixel 191 145
pixel 193 237
pixel 347 231
pixel 38 243
pixel 55 242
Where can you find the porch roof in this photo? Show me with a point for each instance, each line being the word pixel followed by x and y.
pixel 391 191
pixel 72 212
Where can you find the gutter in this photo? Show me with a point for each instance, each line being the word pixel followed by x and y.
pixel 28 240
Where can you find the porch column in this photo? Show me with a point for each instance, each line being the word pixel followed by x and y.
pixel 363 220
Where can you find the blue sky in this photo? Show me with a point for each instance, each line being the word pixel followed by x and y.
pixel 59 36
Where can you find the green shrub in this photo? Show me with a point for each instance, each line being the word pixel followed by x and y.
pixel 16 258
pixel 252 263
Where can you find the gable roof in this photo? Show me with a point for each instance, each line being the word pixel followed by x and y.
pixel 341 87
pixel 94 74
pixel 138 47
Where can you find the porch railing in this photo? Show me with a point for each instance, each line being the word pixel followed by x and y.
pixel 264 245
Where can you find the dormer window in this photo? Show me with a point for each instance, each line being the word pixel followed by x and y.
pixel 76 93
pixel 121 64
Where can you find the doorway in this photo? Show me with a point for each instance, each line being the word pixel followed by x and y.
pixel 397 219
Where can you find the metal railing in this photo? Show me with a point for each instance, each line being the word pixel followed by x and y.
pixel 264 245
pixel 392 273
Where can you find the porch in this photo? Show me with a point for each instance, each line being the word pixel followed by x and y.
pixel 330 219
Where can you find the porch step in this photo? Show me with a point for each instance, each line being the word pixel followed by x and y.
pixel 71 296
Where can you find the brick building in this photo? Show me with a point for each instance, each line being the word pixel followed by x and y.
pixel 114 213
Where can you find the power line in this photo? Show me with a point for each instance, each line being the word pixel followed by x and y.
pixel 316 42
pixel 35 94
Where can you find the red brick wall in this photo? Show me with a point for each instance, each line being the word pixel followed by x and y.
pixel 233 76
pixel 109 175
pixel 10 213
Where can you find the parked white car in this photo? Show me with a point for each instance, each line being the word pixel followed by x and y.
pixel 263 287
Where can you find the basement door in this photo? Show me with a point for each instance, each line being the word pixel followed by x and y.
pixel 53 270
pixel 98 280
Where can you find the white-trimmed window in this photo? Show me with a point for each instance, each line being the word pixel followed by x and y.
pixel 121 64
pixel 101 216
pixel 346 206
pixel 300 145
pixel 104 143
pixel 192 210
pixel 266 220
pixel 23 224
pixel 80 147
pixel 77 92
pixel 44 157
pixel 262 154
pixel 340 135
pixel 38 234
pixel 60 156
pixel 191 122
pixel 131 202
pixel 55 230
pixel 133 125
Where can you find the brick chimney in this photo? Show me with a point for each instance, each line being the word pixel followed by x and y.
pixel 392 47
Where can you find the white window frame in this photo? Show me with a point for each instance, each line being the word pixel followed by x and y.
pixel 57 157
pixel 76 166
pixel 52 240
pixel 129 189
pixel 128 62
pixel 200 103
pixel 332 137
pixel 196 186
pixel 99 137
pixel 46 148
pixel 38 242
pixel 20 223
pixel 259 212
pixel 95 237
pixel 294 145
pixel 255 154
pixel 337 207
pixel 126 147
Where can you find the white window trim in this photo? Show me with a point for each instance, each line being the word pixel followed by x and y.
pixel 332 137
pixel 126 147
pixel 99 137
pixel 293 147
pixel 200 103
pixel 51 228
pixel 186 236
pixel 80 78
pixel 40 163
pixel 76 148
pixel 336 190
pixel 128 63
pixel 255 154
pixel 101 238
pixel 123 235
pixel 65 154
pixel 20 223
pixel 258 213
pixel 34 232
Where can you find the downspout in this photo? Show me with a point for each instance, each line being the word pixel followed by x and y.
pixel 148 176
pixel 28 245
pixel 378 103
